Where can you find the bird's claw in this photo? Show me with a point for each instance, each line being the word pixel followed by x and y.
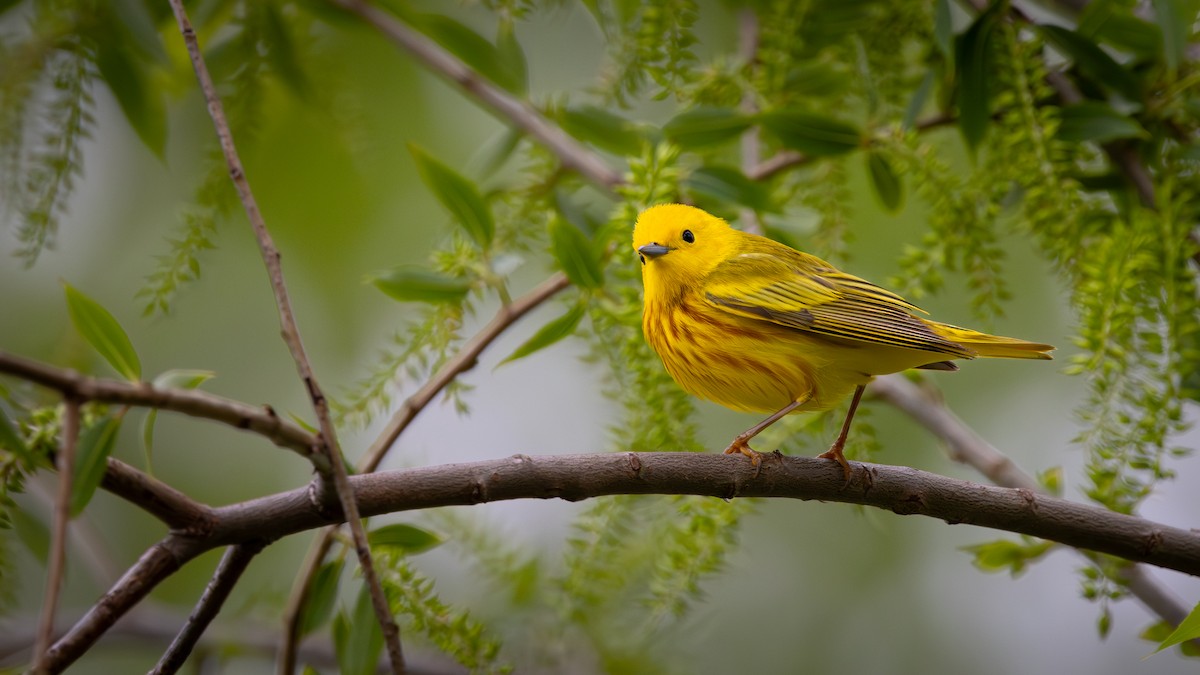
pixel 742 446
pixel 835 453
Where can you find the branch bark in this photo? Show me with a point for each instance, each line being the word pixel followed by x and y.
pixel 58 541
pixel 260 420
pixel 329 464
pixel 570 152
pixel 902 490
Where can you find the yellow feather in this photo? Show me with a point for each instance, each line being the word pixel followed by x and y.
pixel 752 324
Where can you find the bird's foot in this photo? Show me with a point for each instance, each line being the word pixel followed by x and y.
pixel 742 446
pixel 835 453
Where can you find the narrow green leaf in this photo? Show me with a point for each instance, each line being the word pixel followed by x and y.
pixel 574 252
pixel 1094 62
pixel 943 29
pixel 1175 18
pixel 917 103
pixel 727 184
pixel 10 438
pixel 177 378
pixel 603 128
pixel 549 334
pixel 888 185
pixel 1189 629
pixel 973 59
pixel 460 196
pixel 475 50
pixel 102 331
pixel 1004 555
pixel 408 283
pixel 96 443
pixel 134 19
pixel 512 58
pixel 406 538
pixel 705 126
pixel 321 597
pixel 357 639
pixel 281 52
pixel 812 134
pixel 1096 121
pixel 143 104
pixel 1129 33
pixel 33 533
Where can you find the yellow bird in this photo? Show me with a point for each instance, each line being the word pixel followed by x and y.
pixel 757 326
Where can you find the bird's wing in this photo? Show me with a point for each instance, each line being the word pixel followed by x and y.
pixel 805 293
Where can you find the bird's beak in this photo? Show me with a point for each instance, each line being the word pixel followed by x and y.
pixel 653 250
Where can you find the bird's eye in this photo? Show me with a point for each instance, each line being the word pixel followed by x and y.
pixel 642 258
pixel 688 236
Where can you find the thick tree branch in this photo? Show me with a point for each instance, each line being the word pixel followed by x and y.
pixel 333 467
pixel 260 420
pixel 570 152
pixel 465 360
pixel 965 446
pixel 58 540
pixel 902 490
pixel 230 569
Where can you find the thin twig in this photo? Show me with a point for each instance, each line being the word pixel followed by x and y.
pixel 790 159
pixel 230 569
pixel 570 152
pixel 261 420
pixel 335 469
pixel 175 509
pixel 965 446
pixel 465 360
pixel 58 540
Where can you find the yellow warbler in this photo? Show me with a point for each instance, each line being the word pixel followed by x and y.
pixel 754 325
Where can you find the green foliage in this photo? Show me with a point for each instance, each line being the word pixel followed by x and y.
pixel 453 632
pixel 1004 555
pixel 1188 629
pixel 101 329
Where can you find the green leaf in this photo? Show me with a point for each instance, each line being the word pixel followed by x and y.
pixel 1095 121
pixel 512 58
pixel 887 183
pixel 1126 32
pixel 475 51
pixel 102 331
pixel 134 19
pixel 322 596
pixel 602 128
pixel 10 438
pixel 920 96
pixel 96 443
pixel 408 283
pixel 727 184
pixel 812 134
pixel 142 102
pixel 1094 62
pixel 1189 629
pixel 408 539
pixel 973 58
pixel 1004 555
pixel 1160 630
pixel 705 126
pixel 1176 19
pixel 574 252
pixel 549 334
pixel 33 533
pixel 460 196
pixel 281 52
pixel 943 29
pixel 357 639
pixel 177 378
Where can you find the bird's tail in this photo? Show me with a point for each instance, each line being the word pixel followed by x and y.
pixel 992 346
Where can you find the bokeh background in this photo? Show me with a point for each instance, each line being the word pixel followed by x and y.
pixel 811 587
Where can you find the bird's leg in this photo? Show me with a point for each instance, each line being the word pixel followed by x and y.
pixel 742 442
pixel 835 450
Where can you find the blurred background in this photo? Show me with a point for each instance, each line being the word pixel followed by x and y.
pixel 810 587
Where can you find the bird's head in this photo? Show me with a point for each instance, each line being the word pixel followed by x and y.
pixel 679 245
